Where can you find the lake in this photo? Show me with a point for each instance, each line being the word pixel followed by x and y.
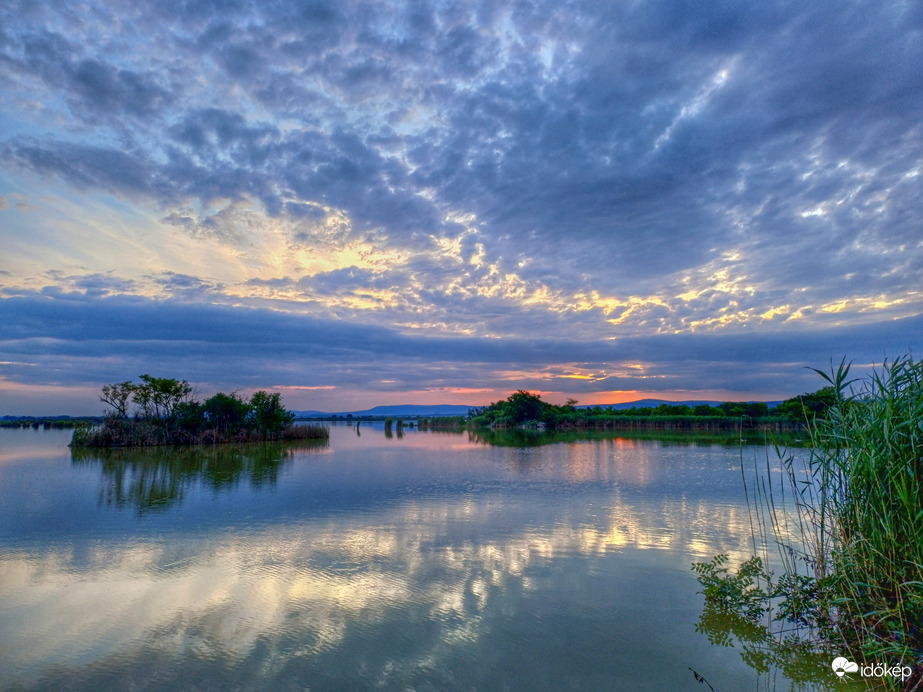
pixel 427 561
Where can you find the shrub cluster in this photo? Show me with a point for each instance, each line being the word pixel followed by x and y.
pixel 163 411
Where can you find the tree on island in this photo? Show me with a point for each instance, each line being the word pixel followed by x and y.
pixel 160 410
pixel 156 397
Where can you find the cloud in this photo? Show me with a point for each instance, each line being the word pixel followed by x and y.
pixel 605 172
pixel 91 340
pixel 108 170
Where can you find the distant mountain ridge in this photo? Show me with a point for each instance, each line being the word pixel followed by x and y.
pixel 462 410
pixel 398 410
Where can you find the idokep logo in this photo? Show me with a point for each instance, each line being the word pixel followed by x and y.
pixel 842 665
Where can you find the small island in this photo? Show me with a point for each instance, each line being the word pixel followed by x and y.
pixel 164 411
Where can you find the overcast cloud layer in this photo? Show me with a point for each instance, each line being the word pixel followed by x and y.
pixel 373 202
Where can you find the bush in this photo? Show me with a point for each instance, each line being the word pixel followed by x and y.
pixel 165 413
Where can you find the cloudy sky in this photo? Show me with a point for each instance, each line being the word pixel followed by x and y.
pixel 360 203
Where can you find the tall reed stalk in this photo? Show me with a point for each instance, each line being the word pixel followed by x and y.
pixel 865 508
pixel 859 510
pixel 847 516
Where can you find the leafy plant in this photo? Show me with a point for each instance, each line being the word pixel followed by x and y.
pixel 738 592
pixel 853 581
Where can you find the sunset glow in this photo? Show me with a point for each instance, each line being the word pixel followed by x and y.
pixel 364 203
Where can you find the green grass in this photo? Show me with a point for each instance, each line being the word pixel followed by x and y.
pixel 847 517
pixel 866 511
pixel 147 433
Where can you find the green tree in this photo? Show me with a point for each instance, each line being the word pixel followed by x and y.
pixel 157 397
pixel 706 410
pixel 808 406
pixel 225 412
pixel 524 406
pixel 672 410
pixel 189 417
pixel 166 412
pixel 756 409
pixel 734 408
pixel 268 415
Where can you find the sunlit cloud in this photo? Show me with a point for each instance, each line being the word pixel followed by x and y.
pixel 591 173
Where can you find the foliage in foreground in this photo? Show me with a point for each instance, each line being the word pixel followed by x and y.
pixel 854 585
pixel 163 411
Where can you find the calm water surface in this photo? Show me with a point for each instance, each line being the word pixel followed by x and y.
pixel 430 561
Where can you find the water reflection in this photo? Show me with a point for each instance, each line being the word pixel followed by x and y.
pixel 777 659
pixel 426 563
pixel 525 437
pixel 417 592
pixel 156 478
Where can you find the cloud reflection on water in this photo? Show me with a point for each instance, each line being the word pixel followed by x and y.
pixel 413 582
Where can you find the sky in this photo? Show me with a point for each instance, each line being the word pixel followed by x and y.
pixel 363 203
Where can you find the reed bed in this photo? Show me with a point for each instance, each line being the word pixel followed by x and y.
pixel 144 433
pixel 306 431
pixel 864 513
pixel 846 514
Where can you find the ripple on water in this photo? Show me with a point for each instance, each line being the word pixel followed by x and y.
pixel 559 567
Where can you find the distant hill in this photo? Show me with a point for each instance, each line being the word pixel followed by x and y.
pixel 460 410
pixel 400 410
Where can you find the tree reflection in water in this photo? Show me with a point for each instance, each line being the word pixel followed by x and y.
pixel 778 657
pixel 525 437
pixel 154 479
